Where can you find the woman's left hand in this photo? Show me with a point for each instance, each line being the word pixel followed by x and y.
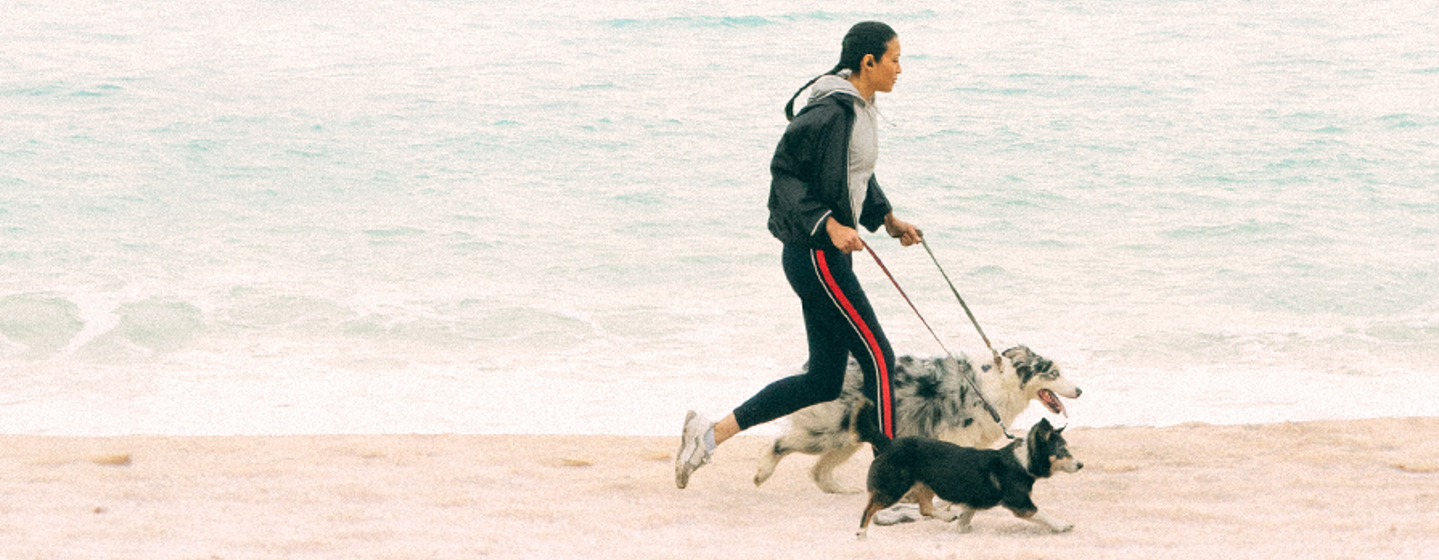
pixel 905 231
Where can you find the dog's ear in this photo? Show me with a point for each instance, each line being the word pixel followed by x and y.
pixel 1021 358
pixel 1019 353
pixel 1043 429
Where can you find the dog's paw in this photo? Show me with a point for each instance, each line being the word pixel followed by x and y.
pixel 832 487
pixel 767 463
pixel 944 515
pixel 1055 525
pixel 963 528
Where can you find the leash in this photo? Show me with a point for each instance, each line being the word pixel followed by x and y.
pixel 972 320
pixel 993 413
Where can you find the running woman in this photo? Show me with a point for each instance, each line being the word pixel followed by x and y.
pixel 822 189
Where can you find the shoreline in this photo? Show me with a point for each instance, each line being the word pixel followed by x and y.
pixel 1312 489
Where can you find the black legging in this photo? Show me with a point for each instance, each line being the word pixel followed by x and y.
pixel 839 322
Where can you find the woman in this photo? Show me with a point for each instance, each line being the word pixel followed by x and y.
pixel 822 189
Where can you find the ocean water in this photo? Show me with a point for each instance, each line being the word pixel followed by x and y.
pixel 288 216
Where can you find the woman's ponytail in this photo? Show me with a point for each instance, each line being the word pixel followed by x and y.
pixel 789 107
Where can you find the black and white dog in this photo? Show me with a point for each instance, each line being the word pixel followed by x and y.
pixel 931 399
pixel 973 479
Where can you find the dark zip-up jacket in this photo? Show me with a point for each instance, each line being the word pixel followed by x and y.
pixel 810 176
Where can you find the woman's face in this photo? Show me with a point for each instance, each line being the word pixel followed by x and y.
pixel 883 73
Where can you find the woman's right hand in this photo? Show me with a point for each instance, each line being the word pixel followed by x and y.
pixel 845 238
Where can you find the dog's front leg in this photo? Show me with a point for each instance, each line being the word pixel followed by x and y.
pixel 1044 519
pixel 823 471
pixel 966 514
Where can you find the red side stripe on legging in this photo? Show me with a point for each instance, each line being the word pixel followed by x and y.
pixel 885 419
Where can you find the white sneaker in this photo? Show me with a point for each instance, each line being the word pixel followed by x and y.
pixel 896 514
pixel 693 453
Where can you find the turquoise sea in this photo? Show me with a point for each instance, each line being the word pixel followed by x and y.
pixel 293 216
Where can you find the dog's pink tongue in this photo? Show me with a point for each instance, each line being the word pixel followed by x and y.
pixel 1051 401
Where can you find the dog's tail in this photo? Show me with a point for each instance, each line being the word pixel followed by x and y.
pixel 866 424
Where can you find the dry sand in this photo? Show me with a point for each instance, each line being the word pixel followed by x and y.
pixel 1306 490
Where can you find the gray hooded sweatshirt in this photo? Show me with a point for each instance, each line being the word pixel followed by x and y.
pixel 863 140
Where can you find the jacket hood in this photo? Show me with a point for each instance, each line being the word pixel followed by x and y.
pixel 831 84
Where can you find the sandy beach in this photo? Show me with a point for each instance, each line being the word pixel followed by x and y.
pixel 1346 489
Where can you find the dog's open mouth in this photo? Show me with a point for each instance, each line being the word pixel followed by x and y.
pixel 1051 401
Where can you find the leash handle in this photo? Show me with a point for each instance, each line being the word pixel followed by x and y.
pixel 993 413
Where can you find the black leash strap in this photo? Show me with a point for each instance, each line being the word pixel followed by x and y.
pixel 993 413
pixel 972 320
